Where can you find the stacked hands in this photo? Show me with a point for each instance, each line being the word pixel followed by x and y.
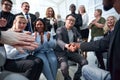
pixel 20 41
pixel 72 47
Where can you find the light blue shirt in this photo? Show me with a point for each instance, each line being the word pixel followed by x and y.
pixel 46 46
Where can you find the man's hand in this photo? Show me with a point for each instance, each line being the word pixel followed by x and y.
pixel 22 48
pixel 67 46
pixel 3 22
pixel 74 46
pixel 22 40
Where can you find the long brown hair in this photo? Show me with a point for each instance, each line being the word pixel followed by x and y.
pixel 53 15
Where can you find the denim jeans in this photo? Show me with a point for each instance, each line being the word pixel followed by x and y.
pixel 50 65
pixel 94 73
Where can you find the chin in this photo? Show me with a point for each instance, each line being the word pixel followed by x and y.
pixel 106 8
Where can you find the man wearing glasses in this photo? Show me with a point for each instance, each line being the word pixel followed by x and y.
pixel 67 35
pixel 6 15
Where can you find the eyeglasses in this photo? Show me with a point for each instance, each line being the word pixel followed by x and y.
pixel 26 6
pixel 71 20
pixel 7 4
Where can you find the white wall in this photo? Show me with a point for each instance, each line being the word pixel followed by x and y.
pixel 35 5
pixel 62 7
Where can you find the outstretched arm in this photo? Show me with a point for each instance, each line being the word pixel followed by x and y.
pixel 18 40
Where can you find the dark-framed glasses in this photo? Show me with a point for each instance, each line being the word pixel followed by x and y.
pixel 71 20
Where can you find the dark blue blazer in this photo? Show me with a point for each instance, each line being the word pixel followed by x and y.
pixel 112 42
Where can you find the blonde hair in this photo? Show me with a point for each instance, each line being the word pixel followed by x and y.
pixel 16 18
pixel 106 28
pixel 83 8
pixel 20 16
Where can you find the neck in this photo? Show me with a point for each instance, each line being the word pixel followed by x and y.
pixel 73 12
pixel 68 28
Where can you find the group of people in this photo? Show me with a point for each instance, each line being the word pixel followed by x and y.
pixel 33 48
pixel 109 42
pixel 29 60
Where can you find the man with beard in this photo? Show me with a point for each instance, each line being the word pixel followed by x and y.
pixel 110 42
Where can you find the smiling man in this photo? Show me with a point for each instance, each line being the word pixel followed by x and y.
pixel 65 36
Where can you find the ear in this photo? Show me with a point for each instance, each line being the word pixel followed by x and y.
pixel 14 22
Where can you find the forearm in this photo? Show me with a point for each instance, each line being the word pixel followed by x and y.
pixel 61 44
pixel 99 45
pixel 99 25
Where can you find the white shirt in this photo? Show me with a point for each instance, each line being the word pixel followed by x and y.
pixel 85 21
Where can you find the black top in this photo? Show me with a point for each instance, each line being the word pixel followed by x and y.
pixel 48 25
pixel 9 17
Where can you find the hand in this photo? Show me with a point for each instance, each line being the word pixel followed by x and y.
pixel 27 32
pixel 42 37
pixel 52 22
pixel 94 21
pixel 73 47
pixel 48 36
pixel 3 22
pixel 67 46
pixel 14 38
pixel 77 45
pixel 35 35
pixel 55 21
pixel 21 48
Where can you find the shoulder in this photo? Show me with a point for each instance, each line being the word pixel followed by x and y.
pixel 61 28
pixel 45 19
pixel 31 14
pixel 102 18
pixel 19 14
pixel 74 28
pixel 12 14
pixel 85 14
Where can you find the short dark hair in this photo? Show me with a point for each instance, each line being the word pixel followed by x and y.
pixel 72 5
pixel 2 2
pixel 24 3
pixel 70 15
